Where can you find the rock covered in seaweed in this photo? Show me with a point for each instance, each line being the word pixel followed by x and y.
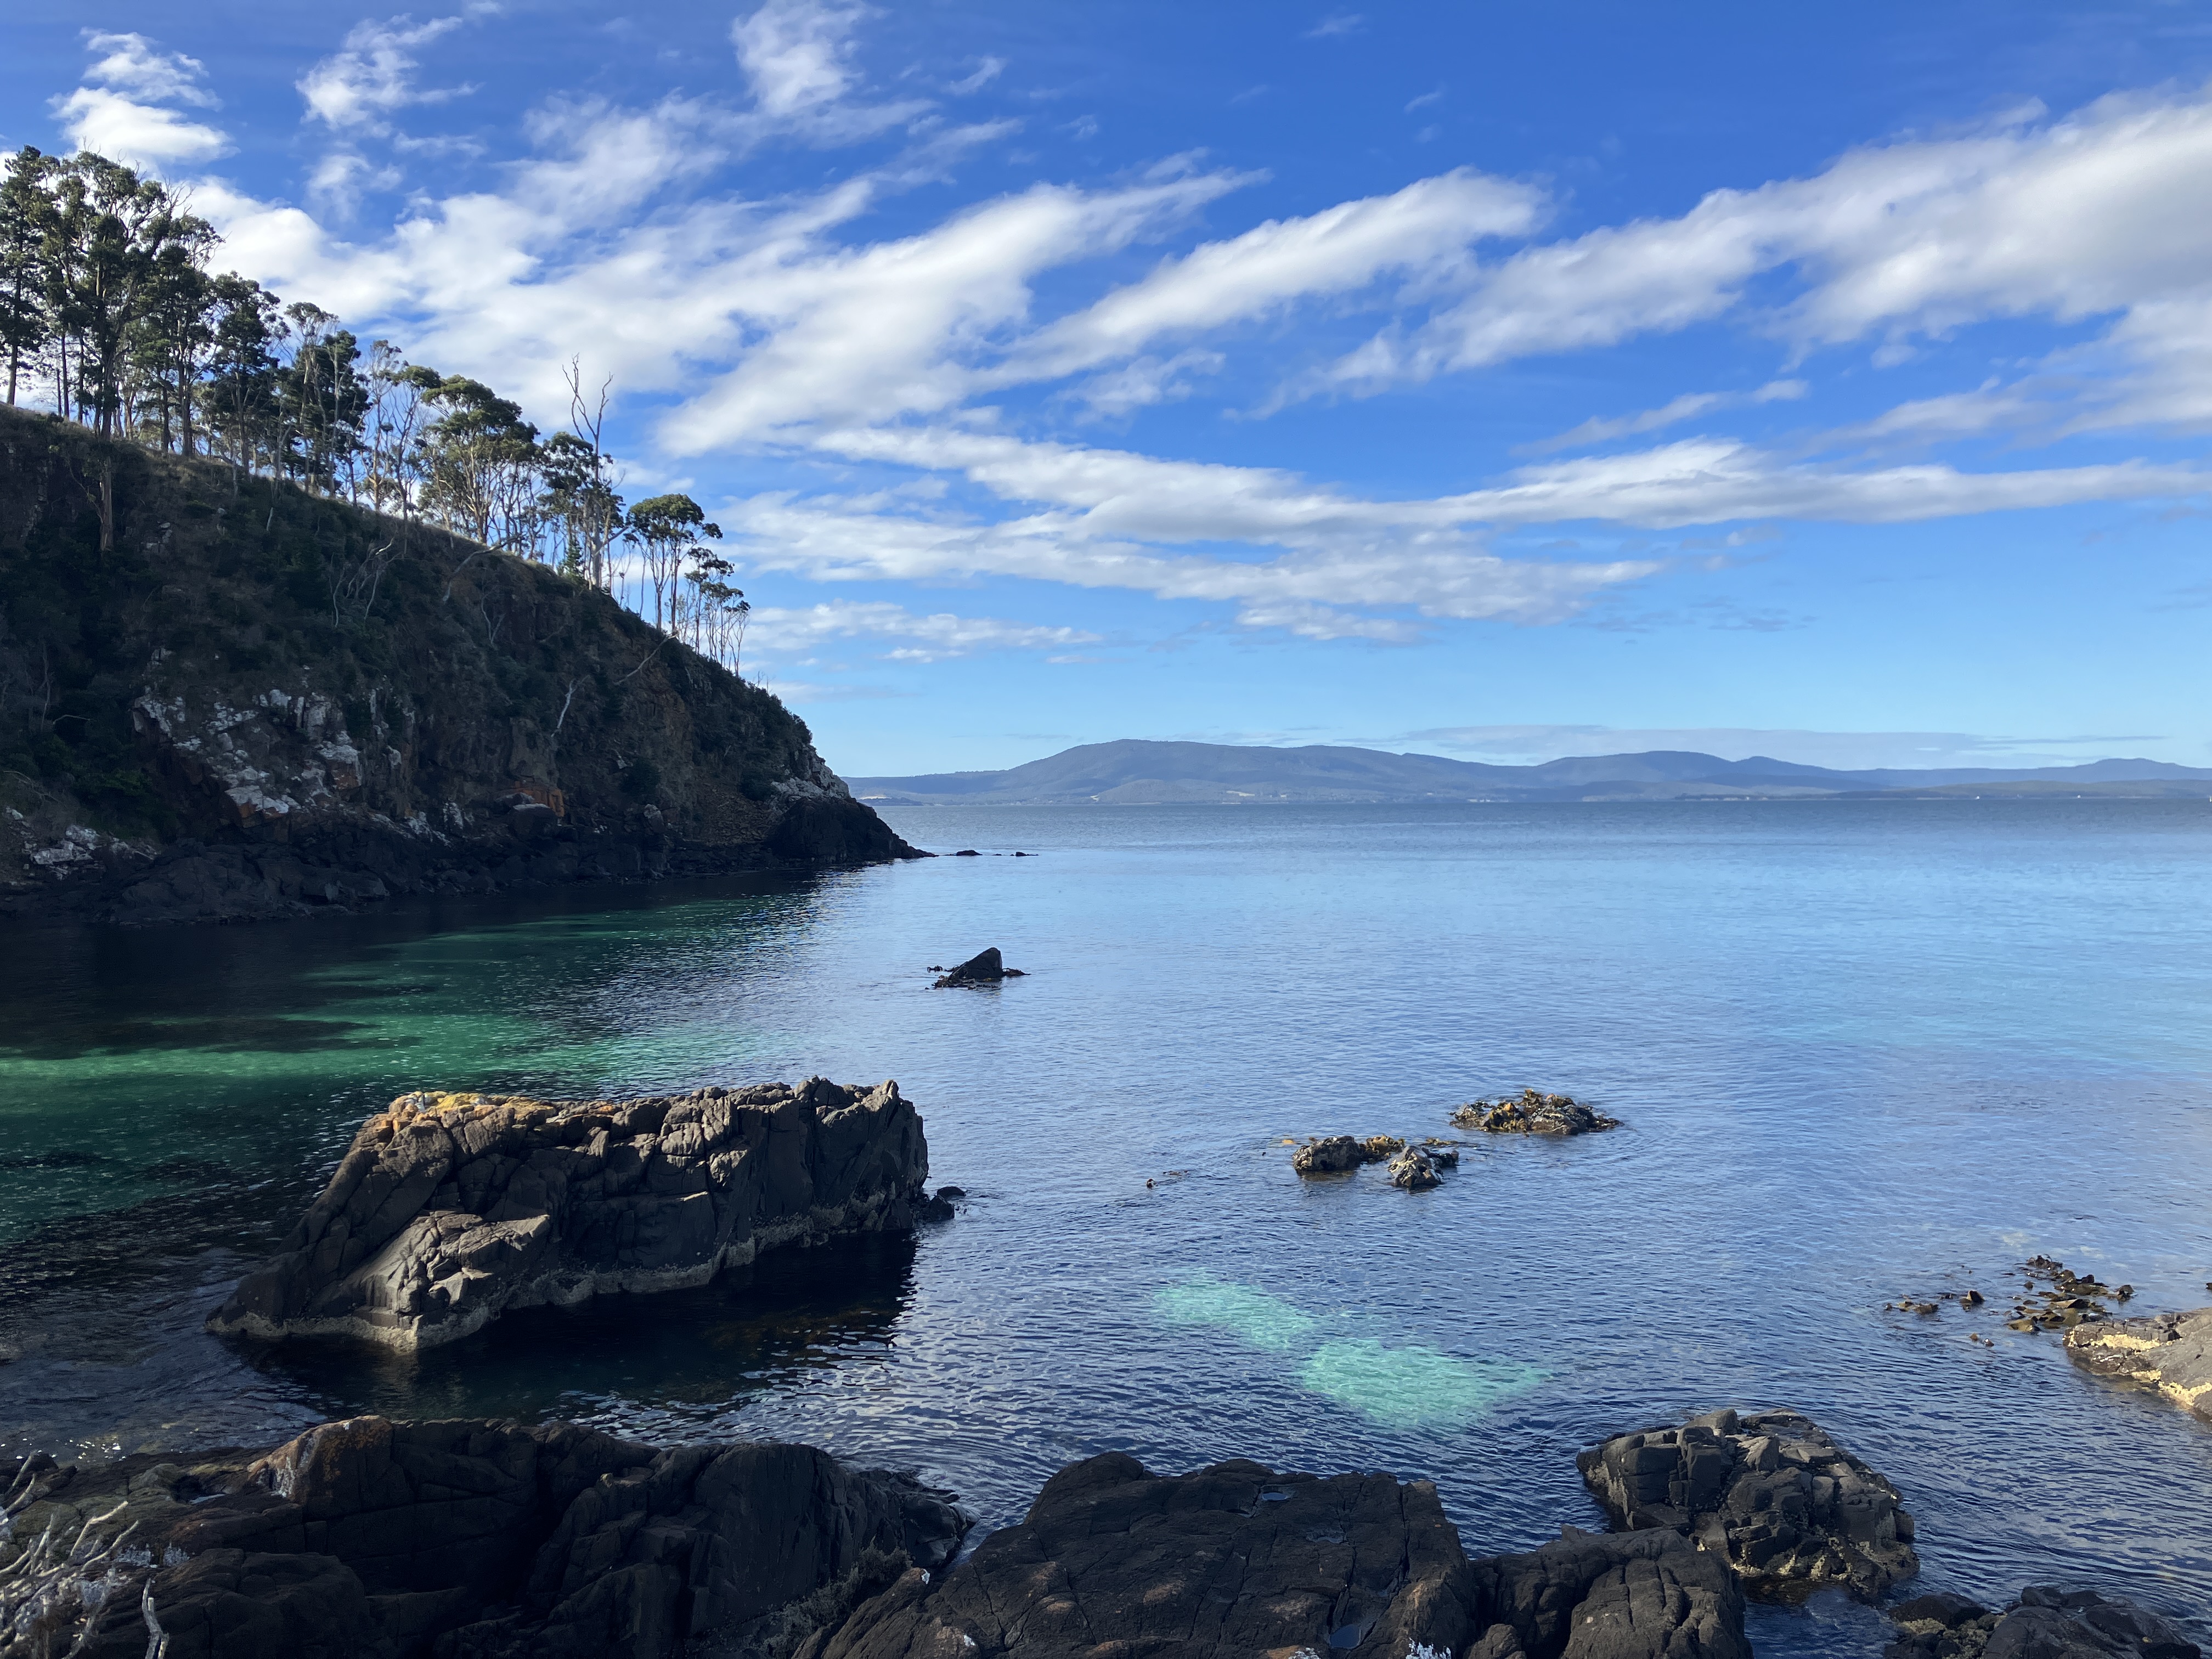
pixel 1534 1113
pixel 450 1209
pixel 2171 1352
pixel 1413 1171
pixel 2044 1623
pixel 1771 1495
pixel 1235 1560
pixel 367 1539
pixel 1334 1154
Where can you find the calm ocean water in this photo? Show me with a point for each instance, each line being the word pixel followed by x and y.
pixel 1863 1050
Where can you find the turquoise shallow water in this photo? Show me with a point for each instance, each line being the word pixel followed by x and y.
pixel 1862 1050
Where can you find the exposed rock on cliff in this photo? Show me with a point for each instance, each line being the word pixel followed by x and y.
pixel 372 1539
pixel 1236 1560
pixel 2044 1623
pixel 1533 1114
pixel 1771 1495
pixel 242 701
pixel 450 1209
pixel 2171 1352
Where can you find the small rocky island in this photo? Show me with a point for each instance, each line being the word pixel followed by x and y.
pixel 1534 1113
pixel 450 1209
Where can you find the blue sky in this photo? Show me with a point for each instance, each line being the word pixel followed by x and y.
pixel 1825 381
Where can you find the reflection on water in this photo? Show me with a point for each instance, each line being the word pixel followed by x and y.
pixel 755 1328
pixel 1866 1050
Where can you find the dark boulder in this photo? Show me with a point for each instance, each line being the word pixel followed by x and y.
pixel 1622 1596
pixel 1238 1560
pixel 2044 1623
pixel 2171 1352
pixel 1772 1495
pixel 372 1539
pixel 1413 1171
pixel 1534 1113
pixel 450 1209
pixel 1232 1561
pixel 984 968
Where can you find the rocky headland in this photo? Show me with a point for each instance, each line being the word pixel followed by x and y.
pixel 367 1539
pixel 223 698
pixel 448 1210
pixel 1235 1560
pixel 2171 1352
pixel 1771 1495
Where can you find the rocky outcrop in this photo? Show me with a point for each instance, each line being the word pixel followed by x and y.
pixel 1622 1596
pixel 242 701
pixel 1771 1495
pixel 1335 1154
pixel 1413 1171
pixel 2044 1623
pixel 984 968
pixel 367 1539
pixel 1236 1560
pixel 2170 1352
pixel 450 1209
pixel 1534 1113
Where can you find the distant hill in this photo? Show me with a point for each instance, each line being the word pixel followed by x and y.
pixel 1134 772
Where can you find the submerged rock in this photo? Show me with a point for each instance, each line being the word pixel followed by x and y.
pixel 367 1539
pixel 2171 1352
pixel 1771 1495
pixel 1534 1113
pixel 450 1209
pixel 1235 1560
pixel 984 968
pixel 2044 1623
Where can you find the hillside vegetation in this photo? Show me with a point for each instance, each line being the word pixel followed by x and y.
pixel 223 696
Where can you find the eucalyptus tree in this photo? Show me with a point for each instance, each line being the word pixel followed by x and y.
pixel 27 209
pixel 321 398
pixel 239 393
pixel 667 530
pixel 479 461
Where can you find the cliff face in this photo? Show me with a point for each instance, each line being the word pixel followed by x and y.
pixel 222 698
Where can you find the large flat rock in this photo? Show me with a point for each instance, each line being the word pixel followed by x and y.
pixel 450 1209
pixel 2171 1352
pixel 1114 1562
pixel 367 1539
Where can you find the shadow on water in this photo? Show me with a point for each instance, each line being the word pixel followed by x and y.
pixel 759 1327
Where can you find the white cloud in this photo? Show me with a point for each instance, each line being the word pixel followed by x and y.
pixel 356 87
pixel 1339 250
pixel 119 111
pixel 793 632
pixel 1687 407
pixel 132 64
pixel 1337 23
pixel 796 57
pixel 986 72
pixel 2108 210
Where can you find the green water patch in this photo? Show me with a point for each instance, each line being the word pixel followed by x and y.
pixel 1394 1385
pixel 1252 1316
pixel 1414 1386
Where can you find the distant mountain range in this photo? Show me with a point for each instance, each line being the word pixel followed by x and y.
pixel 1133 772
